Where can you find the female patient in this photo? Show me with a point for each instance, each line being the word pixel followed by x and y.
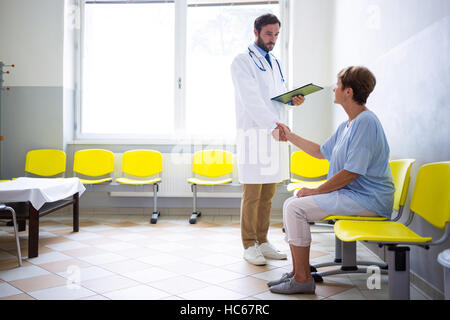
pixel 359 180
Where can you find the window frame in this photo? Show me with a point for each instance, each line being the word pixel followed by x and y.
pixel 180 38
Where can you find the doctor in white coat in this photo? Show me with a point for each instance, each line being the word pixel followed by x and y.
pixel 262 153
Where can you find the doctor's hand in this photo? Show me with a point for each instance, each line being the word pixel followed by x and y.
pixel 304 192
pixel 298 100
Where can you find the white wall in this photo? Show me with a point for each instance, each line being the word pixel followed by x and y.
pixel 406 43
pixel 71 68
pixel 31 37
pixel 311 47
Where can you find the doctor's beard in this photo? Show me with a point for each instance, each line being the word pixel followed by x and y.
pixel 262 45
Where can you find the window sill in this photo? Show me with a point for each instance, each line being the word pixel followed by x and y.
pixel 224 142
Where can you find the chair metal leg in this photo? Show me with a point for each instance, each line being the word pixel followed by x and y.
pixel 156 213
pixel 195 213
pixel 349 256
pixel 398 261
pixel 16 233
pixel 349 263
pixel 338 258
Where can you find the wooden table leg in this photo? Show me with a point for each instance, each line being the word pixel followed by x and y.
pixel 76 212
pixel 22 225
pixel 33 232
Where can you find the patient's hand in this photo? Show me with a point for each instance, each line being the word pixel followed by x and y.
pixel 304 192
pixel 284 129
pixel 279 135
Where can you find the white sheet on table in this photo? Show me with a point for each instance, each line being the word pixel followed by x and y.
pixel 39 190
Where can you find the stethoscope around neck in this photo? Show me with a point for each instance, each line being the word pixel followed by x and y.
pixel 261 65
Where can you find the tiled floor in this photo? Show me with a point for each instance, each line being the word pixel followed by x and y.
pixel 125 257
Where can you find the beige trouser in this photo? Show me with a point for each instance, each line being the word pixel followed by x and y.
pixel 255 212
pixel 297 212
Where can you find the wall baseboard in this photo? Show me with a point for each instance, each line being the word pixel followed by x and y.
pixel 93 211
pixel 426 288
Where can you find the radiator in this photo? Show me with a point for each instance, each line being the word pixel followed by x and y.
pixel 177 168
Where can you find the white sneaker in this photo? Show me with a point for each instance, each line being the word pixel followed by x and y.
pixel 269 251
pixel 254 256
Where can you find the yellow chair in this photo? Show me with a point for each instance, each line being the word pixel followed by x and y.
pixel 346 256
pixel 143 166
pixel 431 201
pixel 45 162
pixel 212 167
pixel 307 171
pixel 93 163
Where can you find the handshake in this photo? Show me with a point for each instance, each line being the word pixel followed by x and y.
pixel 281 132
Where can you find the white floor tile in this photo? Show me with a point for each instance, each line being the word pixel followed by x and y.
pixel 211 293
pixel 160 259
pixel 55 227
pixel 270 275
pixel 103 258
pixel 128 236
pixel 67 245
pixel 117 246
pixel 48 257
pixel 352 294
pixel 45 235
pixel 141 292
pixel 62 293
pixel 149 275
pixel 97 228
pixel 7 290
pixel 275 296
pixel 22 273
pixel 215 276
pixel 85 274
pixel 6 255
pixel 218 260
pixel 82 236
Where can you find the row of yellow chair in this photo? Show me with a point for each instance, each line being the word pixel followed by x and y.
pixel 430 200
pixel 315 170
pixel 345 255
pixel 139 167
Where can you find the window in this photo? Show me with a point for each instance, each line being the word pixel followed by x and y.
pixel 160 70
pixel 128 69
pixel 215 35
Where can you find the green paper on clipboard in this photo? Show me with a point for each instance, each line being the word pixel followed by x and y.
pixel 286 98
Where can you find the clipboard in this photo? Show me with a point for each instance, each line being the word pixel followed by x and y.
pixel 286 98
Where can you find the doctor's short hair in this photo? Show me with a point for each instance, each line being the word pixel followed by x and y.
pixel 360 79
pixel 266 19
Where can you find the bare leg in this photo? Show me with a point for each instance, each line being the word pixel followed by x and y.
pixel 301 263
pixel 293 260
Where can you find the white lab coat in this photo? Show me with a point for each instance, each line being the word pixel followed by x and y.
pixel 261 159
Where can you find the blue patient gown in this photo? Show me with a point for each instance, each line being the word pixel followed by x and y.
pixel 363 149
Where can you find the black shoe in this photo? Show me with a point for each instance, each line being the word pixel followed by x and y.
pixel 317 278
